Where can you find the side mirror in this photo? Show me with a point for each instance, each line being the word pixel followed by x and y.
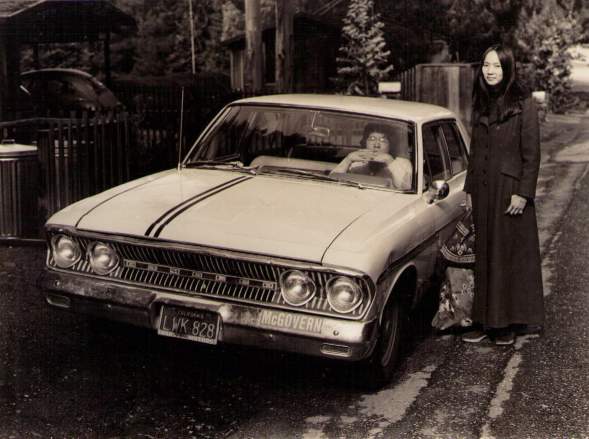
pixel 438 190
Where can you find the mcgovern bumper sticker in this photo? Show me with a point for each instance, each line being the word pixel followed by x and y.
pixel 296 322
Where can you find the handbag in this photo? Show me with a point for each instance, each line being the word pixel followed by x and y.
pixel 457 288
pixel 459 249
pixel 456 296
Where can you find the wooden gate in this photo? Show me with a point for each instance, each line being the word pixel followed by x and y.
pixel 81 157
pixel 446 84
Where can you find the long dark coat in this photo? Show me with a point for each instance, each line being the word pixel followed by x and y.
pixel 505 160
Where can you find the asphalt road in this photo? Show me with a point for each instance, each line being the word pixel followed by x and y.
pixel 67 376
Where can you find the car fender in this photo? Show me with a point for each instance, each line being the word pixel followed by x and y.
pixel 391 282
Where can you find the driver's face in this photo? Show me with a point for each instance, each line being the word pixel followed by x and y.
pixel 377 141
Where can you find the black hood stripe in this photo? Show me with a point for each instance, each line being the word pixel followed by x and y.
pixel 162 220
pixel 200 198
pixel 114 196
pixel 157 223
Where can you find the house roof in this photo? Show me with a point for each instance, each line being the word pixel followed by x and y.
pixel 46 21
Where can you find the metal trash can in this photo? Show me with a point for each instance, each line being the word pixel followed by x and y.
pixel 19 169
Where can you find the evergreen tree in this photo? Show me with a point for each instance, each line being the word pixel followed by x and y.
pixel 542 48
pixel 364 59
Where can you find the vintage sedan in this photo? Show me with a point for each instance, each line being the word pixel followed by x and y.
pixel 283 227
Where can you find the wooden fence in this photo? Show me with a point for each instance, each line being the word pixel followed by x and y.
pixel 81 157
pixel 77 157
pixel 84 154
pixel 156 111
pixel 446 84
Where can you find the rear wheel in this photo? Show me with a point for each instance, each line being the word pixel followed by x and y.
pixel 377 370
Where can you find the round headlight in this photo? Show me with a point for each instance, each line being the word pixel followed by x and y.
pixel 296 287
pixel 66 250
pixel 103 258
pixel 344 294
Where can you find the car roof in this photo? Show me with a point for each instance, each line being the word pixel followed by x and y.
pixel 56 71
pixel 392 108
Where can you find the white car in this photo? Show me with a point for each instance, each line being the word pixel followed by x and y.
pixel 271 234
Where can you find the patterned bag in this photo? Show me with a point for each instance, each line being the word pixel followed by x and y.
pixel 458 250
pixel 457 289
pixel 456 295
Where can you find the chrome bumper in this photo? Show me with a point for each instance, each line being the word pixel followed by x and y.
pixel 241 323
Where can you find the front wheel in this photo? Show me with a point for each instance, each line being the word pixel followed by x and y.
pixel 377 370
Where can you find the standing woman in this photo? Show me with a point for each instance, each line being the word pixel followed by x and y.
pixel 500 187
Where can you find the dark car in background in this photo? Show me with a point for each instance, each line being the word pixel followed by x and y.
pixel 58 90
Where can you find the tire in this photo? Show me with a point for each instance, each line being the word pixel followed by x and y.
pixel 378 369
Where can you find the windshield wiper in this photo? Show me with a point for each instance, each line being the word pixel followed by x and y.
pixel 215 164
pixel 303 173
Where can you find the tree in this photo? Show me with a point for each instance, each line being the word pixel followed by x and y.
pixel 542 47
pixel 162 43
pixel 233 21
pixel 364 59
pixel 476 24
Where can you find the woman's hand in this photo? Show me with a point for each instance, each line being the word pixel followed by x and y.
pixel 468 202
pixel 517 206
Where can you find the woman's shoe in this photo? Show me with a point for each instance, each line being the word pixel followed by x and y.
pixel 475 336
pixel 505 339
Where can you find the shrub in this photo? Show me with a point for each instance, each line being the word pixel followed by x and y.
pixel 543 42
pixel 364 59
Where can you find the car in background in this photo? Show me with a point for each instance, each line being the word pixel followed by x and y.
pixel 58 90
pixel 261 237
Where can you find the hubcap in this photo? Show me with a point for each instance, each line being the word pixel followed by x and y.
pixel 390 328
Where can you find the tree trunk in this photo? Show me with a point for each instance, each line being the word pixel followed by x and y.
pixel 107 64
pixel 9 76
pixel 253 41
pixel 284 46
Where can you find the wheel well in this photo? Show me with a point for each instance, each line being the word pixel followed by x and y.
pixel 404 288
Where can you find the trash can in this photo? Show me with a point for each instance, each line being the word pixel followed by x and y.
pixel 19 169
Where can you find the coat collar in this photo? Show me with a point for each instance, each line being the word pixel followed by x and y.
pixel 484 119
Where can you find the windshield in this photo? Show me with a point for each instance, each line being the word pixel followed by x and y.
pixel 303 143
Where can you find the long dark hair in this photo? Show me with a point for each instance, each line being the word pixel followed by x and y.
pixel 509 92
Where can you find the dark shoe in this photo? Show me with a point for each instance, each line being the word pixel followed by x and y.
pixel 475 336
pixel 505 338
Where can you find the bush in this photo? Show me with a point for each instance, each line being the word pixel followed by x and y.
pixel 543 43
pixel 364 59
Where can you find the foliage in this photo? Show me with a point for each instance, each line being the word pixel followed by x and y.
pixel 163 41
pixel 234 14
pixel 161 45
pixel 233 21
pixel 412 27
pixel 365 59
pixel 474 25
pixel 542 47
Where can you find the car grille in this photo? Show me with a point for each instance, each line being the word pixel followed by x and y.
pixel 204 274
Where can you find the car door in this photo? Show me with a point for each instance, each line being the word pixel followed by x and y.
pixel 445 159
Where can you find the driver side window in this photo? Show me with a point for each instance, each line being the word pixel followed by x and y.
pixel 436 164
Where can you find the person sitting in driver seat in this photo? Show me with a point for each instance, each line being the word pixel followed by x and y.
pixel 376 160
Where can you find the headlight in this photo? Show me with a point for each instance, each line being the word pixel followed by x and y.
pixel 103 258
pixel 66 250
pixel 344 294
pixel 296 287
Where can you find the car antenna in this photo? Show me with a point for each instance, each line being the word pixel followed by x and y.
pixel 181 123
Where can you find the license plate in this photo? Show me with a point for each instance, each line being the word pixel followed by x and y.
pixel 198 325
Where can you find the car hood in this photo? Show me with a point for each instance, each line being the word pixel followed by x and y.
pixel 278 216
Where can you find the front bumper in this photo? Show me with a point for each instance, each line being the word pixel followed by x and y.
pixel 240 323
